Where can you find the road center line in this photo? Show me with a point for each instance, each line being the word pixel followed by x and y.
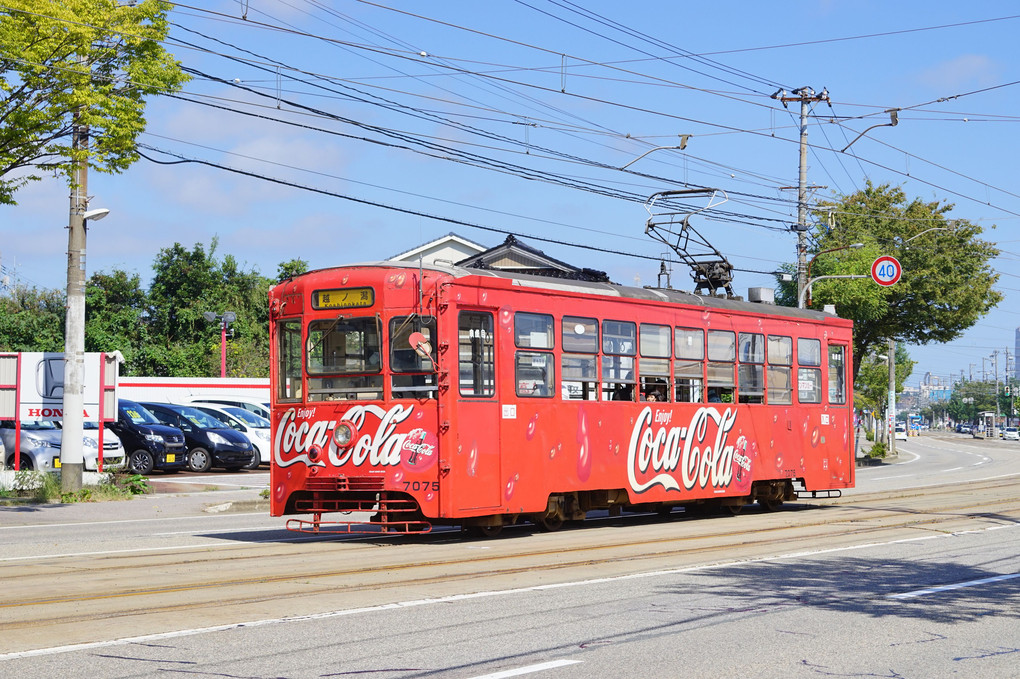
pixel 958 585
pixel 552 664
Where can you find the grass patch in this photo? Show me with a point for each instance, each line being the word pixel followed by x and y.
pixel 33 486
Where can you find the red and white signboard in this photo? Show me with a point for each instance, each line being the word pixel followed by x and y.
pixel 38 392
pixel 886 270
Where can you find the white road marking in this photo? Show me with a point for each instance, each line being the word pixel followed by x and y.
pixel 552 664
pixel 958 585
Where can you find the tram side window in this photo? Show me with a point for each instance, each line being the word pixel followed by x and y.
pixel 654 349
pixel 809 380
pixel 343 359
pixel 534 373
pixel 837 374
pixel 579 368
pixel 534 331
pixel 722 352
pixel 779 389
pixel 619 346
pixel 689 368
pixel 751 370
pixel 288 355
pixel 476 355
pixel 413 375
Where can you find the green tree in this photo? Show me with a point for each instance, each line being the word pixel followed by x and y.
pixel 116 316
pixel 947 278
pixel 77 62
pixel 871 386
pixel 970 398
pixel 32 320
pixel 294 267
pixel 187 284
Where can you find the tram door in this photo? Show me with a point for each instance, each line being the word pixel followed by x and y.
pixel 840 413
pixel 476 463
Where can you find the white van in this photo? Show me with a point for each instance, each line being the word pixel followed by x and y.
pixel 253 404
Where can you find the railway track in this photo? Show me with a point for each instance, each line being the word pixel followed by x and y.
pixel 66 596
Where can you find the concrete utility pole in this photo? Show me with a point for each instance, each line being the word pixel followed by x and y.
pixel 71 456
pixel 892 398
pixel 995 358
pixel 805 95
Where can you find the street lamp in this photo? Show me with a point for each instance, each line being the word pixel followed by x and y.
pixel 225 319
pixel 934 228
pixel 681 147
pixel 806 290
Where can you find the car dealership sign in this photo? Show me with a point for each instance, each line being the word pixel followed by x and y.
pixel 32 386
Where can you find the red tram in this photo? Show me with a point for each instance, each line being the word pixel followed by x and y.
pixel 405 397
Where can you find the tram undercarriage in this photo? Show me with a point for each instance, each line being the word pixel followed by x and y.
pixel 395 512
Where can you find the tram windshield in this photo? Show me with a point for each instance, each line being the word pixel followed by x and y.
pixel 343 360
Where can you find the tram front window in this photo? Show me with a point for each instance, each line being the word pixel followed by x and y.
pixel 343 359
pixel 414 375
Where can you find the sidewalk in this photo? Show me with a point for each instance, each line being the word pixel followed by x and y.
pixel 170 497
pixel 864 450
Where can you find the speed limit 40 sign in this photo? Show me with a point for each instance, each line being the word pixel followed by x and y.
pixel 886 270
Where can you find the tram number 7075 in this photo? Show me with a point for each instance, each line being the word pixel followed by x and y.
pixel 421 485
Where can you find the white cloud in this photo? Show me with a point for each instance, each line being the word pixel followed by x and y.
pixel 966 70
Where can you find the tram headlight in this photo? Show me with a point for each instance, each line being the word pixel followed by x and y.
pixel 343 434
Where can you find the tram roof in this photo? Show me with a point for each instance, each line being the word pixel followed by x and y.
pixel 611 290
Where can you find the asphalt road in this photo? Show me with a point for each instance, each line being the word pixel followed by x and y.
pixel 915 573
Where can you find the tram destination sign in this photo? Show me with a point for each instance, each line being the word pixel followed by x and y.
pixel 343 298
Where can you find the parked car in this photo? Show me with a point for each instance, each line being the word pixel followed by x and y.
pixel 149 443
pixel 40 446
pixel 261 427
pixel 210 442
pixel 1011 434
pixel 901 432
pixel 253 404
pixel 248 424
pixel 114 456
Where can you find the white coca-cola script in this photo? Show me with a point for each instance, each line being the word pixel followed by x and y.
pixel 381 447
pixel 700 451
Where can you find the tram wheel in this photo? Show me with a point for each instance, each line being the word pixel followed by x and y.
pixel 769 504
pixel 485 531
pixel 734 509
pixel 550 523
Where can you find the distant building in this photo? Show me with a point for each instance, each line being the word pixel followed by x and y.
pixel 510 255
pixel 448 249
pixel 513 255
pixel 933 388
pixel 1016 352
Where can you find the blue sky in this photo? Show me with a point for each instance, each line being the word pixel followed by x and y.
pixel 516 116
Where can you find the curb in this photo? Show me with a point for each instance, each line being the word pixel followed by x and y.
pixel 237 507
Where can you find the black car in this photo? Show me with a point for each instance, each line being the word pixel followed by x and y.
pixel 210 442
pixel 148 444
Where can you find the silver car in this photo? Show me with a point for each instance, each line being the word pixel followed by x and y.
pixel 40 446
